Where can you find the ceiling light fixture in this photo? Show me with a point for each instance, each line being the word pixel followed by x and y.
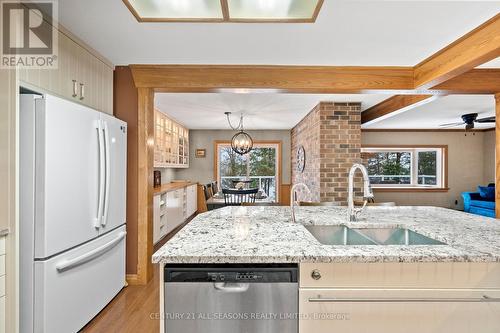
pixel 290 11
pixel 242 142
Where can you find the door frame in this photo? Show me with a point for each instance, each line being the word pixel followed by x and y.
pixel 279 158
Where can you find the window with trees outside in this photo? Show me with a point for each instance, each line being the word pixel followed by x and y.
pixel 406 167
pixel 261 167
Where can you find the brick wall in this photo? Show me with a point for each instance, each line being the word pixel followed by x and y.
pixel 331 136
pixel 307 133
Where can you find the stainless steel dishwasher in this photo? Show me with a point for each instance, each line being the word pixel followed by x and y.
pixel 231 298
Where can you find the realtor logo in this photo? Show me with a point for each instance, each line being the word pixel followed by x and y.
pixel 29 38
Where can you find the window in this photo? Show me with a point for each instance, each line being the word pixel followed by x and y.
pixel 261 166
pixel 406 167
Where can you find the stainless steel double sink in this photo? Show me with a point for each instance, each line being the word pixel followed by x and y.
pixel 342 235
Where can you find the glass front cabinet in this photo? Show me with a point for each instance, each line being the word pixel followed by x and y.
pixel 171 143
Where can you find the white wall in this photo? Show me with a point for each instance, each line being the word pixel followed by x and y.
pixel 202 169
pixel 470 163
pixel 489 157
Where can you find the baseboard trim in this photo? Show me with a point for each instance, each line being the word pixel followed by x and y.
pixel 133 279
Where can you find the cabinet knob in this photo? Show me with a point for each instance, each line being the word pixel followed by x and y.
pixel 315 274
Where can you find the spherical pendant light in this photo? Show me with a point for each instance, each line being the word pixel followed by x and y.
pixel 241 143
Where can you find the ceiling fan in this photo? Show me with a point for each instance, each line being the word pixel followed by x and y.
pixel 469 120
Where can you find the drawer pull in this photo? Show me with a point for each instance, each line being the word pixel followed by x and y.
pixel 484 299
pixel 80 260
pixel 75 88
pixel 315 274
pixel 82 91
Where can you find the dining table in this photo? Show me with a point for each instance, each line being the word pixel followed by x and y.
pixel 217 200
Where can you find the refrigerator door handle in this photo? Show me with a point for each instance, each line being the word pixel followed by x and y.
pixel 100 196
pixel 97 252
pixel 107 173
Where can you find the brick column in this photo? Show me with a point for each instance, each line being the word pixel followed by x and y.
pixel 331 136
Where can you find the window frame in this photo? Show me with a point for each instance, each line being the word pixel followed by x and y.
pixel 257 144
pixel 441 167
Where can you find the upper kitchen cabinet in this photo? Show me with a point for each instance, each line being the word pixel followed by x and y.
pixel 81 76
pixel 171 143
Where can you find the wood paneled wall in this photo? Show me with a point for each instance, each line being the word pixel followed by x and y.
pixel 125 108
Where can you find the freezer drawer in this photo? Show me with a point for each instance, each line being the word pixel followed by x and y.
pixel 71 288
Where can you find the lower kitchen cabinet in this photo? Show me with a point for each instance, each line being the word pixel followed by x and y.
pixel 171 209
pixel 191 200
pixel 399 297
pixel 2 285
pixel 396 311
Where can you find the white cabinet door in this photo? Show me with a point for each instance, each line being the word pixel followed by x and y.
pixel 398 310
pixel 66 171
pixel 156 218
pixel 175 215
pixel 191 202
pixel 115 139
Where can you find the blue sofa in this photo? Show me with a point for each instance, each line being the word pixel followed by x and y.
pixel 475 204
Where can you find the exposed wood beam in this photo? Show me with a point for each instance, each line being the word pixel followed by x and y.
pixel 394 105
pixel 497 156
pixel 305 79
pixel 476 81
pixel 295 79
pixel 145 131
pixel 475 48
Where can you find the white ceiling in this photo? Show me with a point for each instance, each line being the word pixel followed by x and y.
pixel 443 110
pixel 492 64
pixel 357 32
pixel 262 110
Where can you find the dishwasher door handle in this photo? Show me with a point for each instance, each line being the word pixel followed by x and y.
pixel 231 287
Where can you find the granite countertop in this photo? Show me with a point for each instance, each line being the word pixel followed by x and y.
pixel 267 235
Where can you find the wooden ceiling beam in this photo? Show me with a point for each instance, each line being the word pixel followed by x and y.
pixel 292 79
pixel 476 81
pixel 475 48
pixel 394 105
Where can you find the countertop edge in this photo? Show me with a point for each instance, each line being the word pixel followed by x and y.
pixel 4 232
pixel 171 187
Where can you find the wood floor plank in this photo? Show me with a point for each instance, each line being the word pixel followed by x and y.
pixel 132 310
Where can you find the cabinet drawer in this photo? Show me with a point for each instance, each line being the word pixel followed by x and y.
pixel 2 285
pixel 396 311
pixel 2 265
pixel 401 275
pixel 2 315
pixel 2 245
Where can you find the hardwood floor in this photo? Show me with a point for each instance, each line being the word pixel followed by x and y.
pixel 130 311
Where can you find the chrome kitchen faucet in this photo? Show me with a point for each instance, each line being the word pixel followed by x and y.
pixel 367 194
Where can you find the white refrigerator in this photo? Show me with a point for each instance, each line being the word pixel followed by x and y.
pixel 72 213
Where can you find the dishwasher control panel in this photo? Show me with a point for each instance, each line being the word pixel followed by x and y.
pixel 225 273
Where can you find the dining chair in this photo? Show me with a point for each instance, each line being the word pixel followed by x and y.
pixel 210 189
pixel 215 187
pixel 234 197
pixel 208 195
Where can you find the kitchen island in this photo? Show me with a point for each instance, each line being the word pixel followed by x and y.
pixel 452 285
